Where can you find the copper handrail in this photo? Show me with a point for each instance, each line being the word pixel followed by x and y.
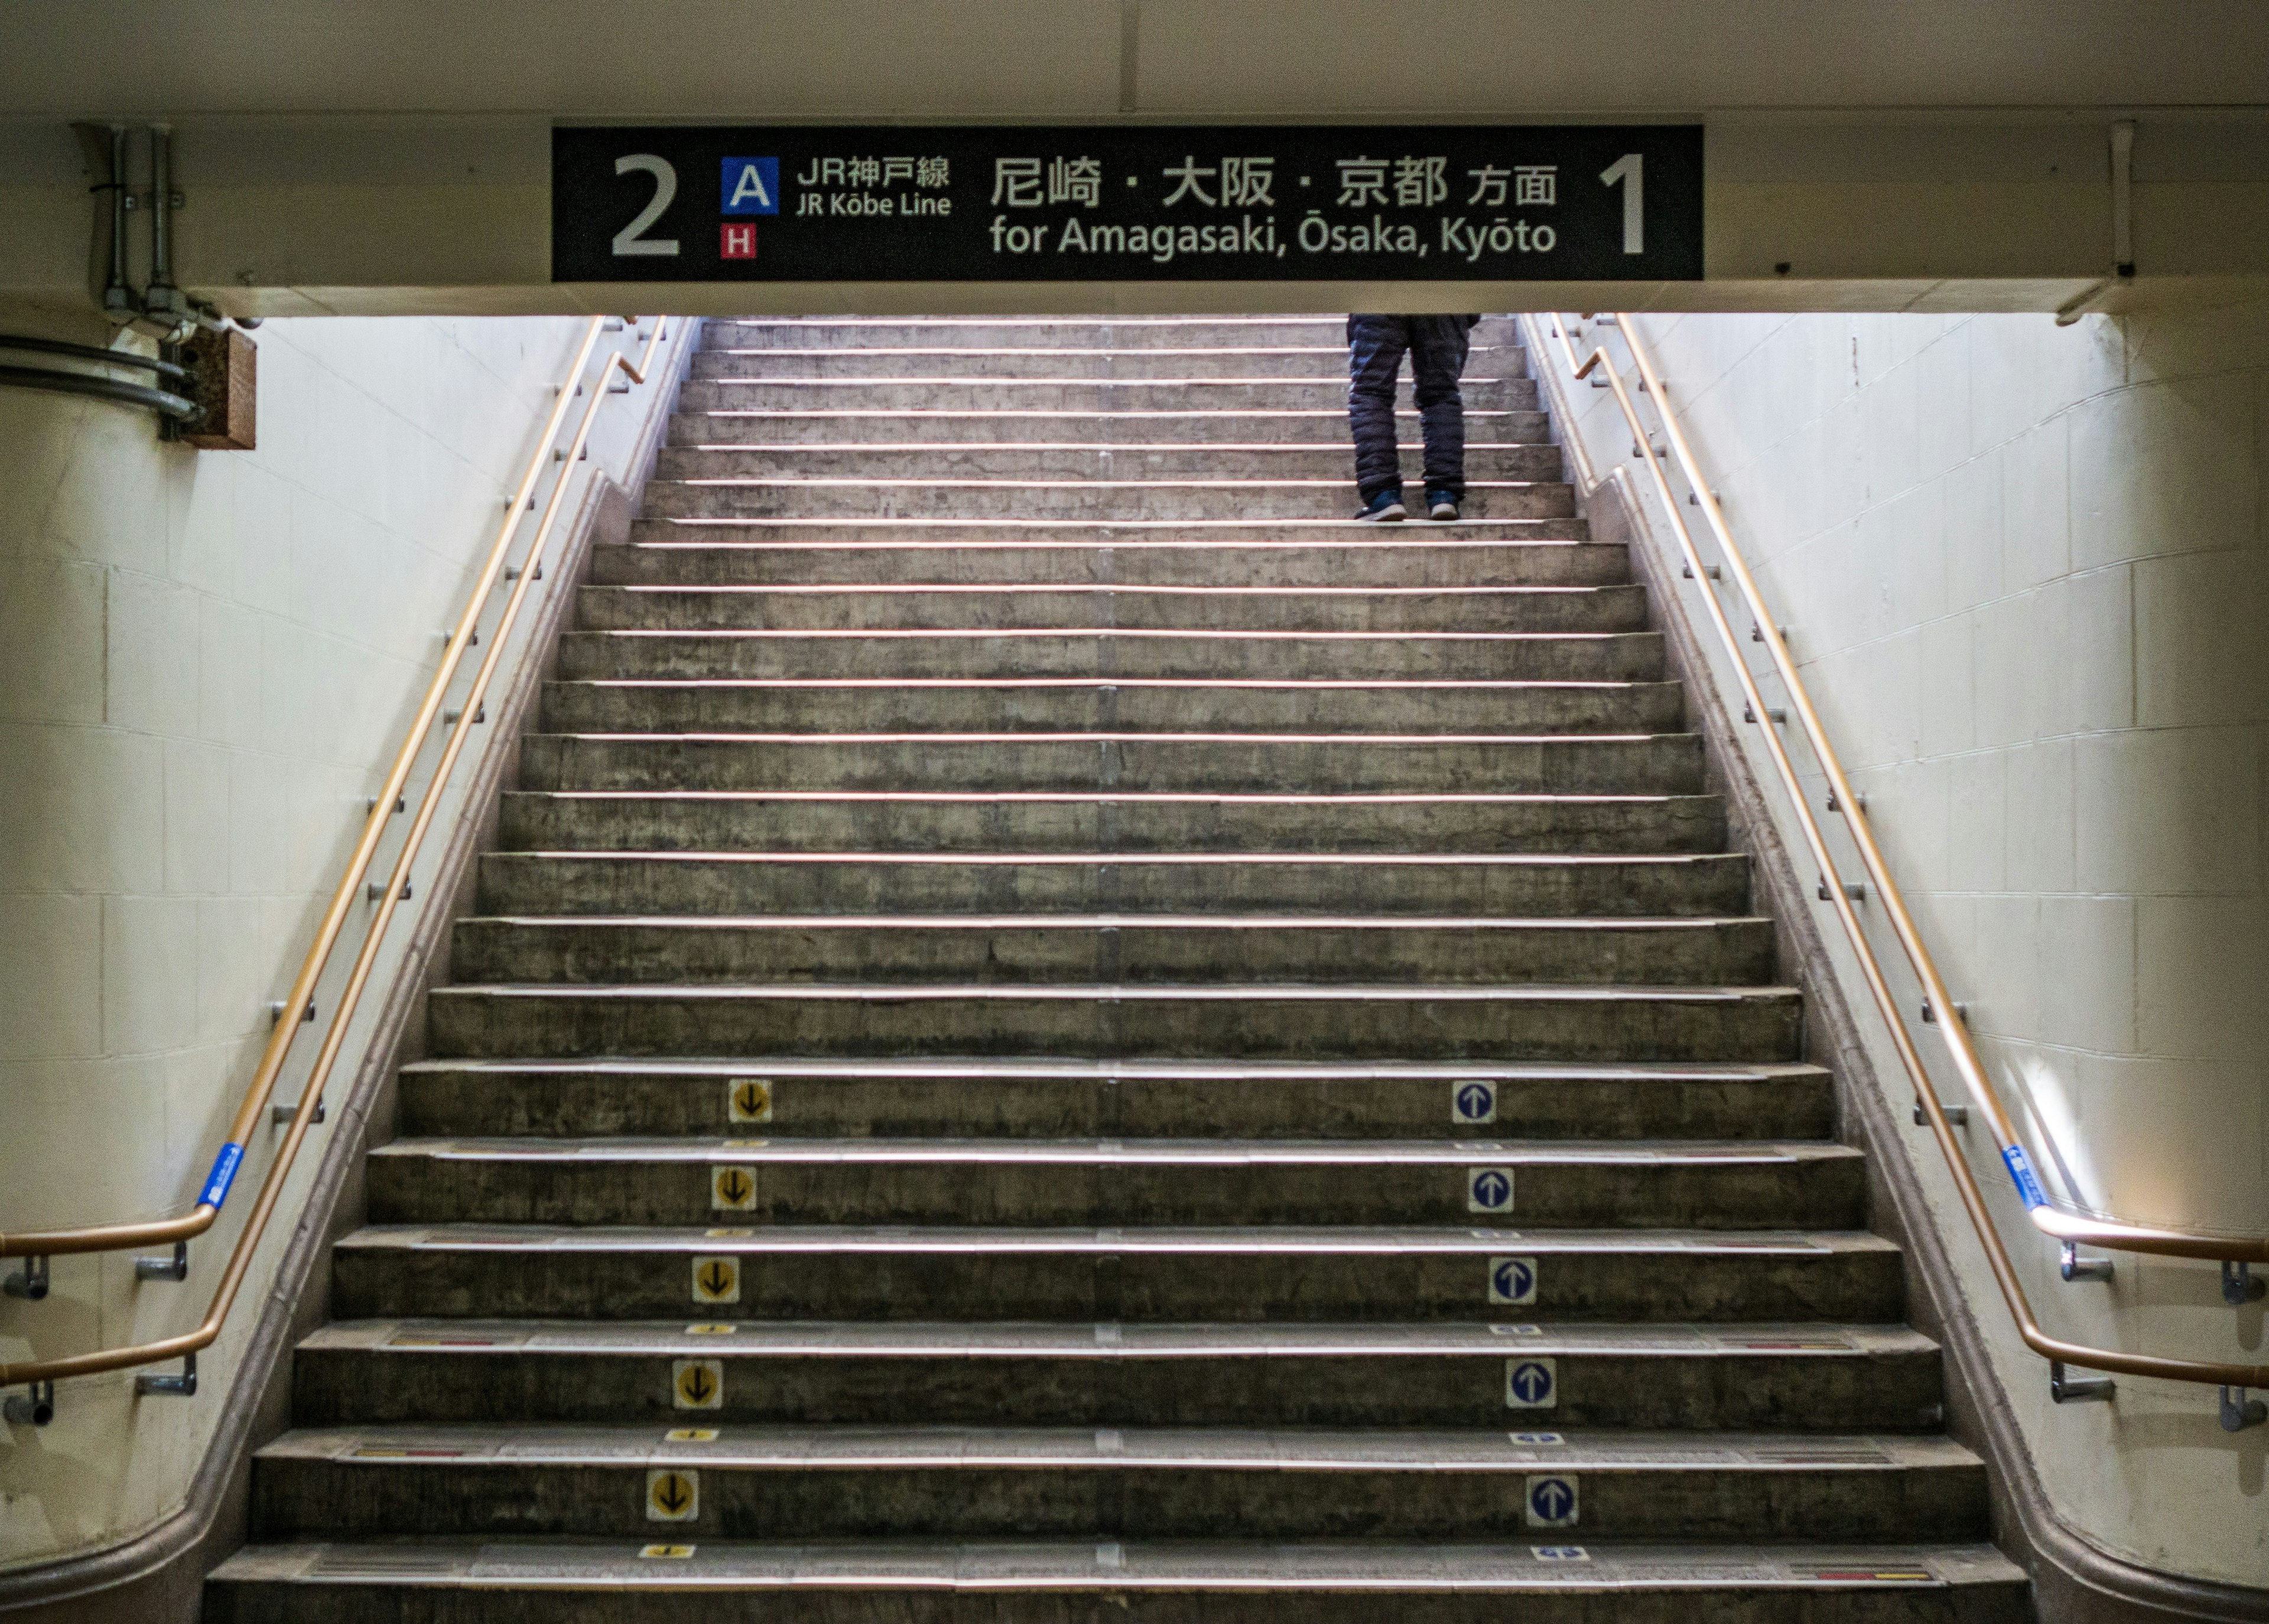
pixel 2064 1227
pixel 111 1237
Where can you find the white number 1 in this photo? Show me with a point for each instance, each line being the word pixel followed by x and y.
pixel 1631 169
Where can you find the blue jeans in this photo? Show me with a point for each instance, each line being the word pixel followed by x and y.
pixel 1438 347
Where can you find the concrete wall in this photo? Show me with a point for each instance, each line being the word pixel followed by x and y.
pixel 206 660
pixel 2025 569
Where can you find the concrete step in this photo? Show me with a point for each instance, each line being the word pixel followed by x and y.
pixel 1787 1378
pixel 854 333
pixel 796 1096
pixel 1033 1183
pixel 887 882
pixel 1074 459
pixel 1101 1577
pixel 919 822
pixel 1098 359
pixel 1295 763
pixel 1075 705
pixel 1119 498
pixel 1108 654
pixel 1134 425
pixel 661 554
pixel 721 1276
pixel 850 606
pixel 1502 391
pixel 864 1483
pixel 1744 1024
pixel 1041 949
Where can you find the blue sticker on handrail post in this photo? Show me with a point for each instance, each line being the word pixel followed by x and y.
pixel 223 1175
pixel 2021 1168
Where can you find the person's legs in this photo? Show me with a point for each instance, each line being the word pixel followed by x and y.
pixel 1438 347
pixel 1374 347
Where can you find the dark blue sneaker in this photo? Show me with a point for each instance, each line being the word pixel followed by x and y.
pixel 1441 505
pixel 1385 508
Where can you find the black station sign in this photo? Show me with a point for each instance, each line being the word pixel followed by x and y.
pixel 1237 202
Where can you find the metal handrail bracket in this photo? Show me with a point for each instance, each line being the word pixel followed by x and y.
pixel 2069 1229
pixel 297 1008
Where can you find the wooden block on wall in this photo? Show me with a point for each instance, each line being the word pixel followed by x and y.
pixel 227 386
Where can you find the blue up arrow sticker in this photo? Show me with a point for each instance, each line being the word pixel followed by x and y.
pixel 1512 1279
pixel 1473 1102
pixel 223 1175
pixel 2021 1168
pixel 1489 1189
pixel 1532 1383
pixel 1552 1500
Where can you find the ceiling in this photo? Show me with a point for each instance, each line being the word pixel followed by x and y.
pixel 1062 58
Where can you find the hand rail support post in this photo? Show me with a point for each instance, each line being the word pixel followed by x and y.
pixel 182 1387
pixel 35 1407
pixel 2238 1285
pixel 29 1282
pixel 2078 1388
pixel 175 1268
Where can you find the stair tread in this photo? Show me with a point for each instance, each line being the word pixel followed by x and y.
pixel 1464 525
pixel 1122 859
pixel 1108 1339
pixel 1087 590
pixel 931 1447
pixel 1119 1153
pixel 859 685
pixel 1254 1240
pixel 1114 921
pixel 1084 1068
pixel 1108 1563
pixel 1229 798
pixel 1131 992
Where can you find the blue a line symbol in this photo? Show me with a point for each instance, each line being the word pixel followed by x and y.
pixel 1530 1383
pixel 1476 1102
pixel 1551 1499
pixel 751 185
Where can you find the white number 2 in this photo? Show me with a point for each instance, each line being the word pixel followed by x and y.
pixel 630 240
pixel 1631 169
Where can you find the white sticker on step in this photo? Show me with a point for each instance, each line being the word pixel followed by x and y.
pixel 1512 1279
pixel 1473 1102
pixel 672 1496
pixel 716 1280
pixel 748 1099
pixel 1489 1189
pixel 697 1383
pixel 732 1189
pixel 1559 1553
pixel 1551 1501
pixel 1532 1383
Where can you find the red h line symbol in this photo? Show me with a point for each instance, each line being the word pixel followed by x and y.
pixel 737 239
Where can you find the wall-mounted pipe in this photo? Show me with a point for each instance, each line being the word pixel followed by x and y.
pixel 2123 198
pixel 161 300
pixel 118 300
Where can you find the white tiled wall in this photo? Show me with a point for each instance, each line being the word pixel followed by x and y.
pixel 2025 569
pixel 206 660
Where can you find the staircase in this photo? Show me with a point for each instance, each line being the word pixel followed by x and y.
pixel 1058 1031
